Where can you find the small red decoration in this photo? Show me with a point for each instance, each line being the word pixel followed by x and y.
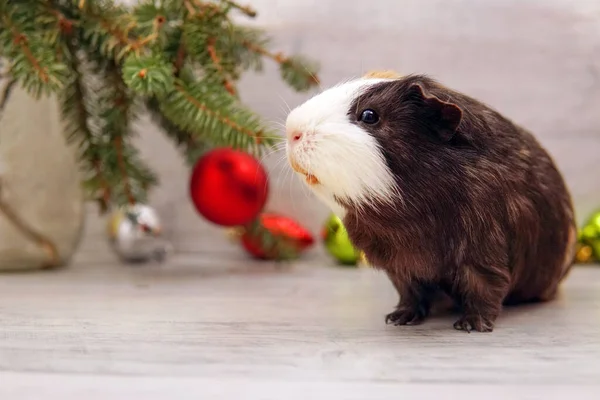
pixel 229 187
pixel 282 227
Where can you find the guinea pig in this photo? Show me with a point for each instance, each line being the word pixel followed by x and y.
pixel 440 191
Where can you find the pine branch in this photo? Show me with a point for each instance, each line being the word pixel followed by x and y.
pixel 111 29
pixel 240 57
pixel 5 94
pixel 215 116
pixel 247 47
pixel 179 58
pixel 201 23
pixel 75 113
pixel 113 113
pixel 249 11
pixel 190 146
pixel 206 9
pixel 203 108
pixel 57 23
pixel 150 75
pixel 217 64
pixel 33 63
pixel 297 71
pixel 21 40
pixel 117 126
pixel 118 144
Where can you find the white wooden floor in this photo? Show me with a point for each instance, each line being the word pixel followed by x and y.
pixel 192 330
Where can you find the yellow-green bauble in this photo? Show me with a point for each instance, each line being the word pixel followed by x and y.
pixel 336 241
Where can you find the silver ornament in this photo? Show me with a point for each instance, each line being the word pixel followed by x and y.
pixel 135 232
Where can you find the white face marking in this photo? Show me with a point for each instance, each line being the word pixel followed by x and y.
pixel 345 159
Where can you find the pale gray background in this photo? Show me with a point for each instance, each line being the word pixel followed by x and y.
pixel 537 61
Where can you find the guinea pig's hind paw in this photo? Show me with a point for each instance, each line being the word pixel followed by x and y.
pixel 405 316
pixel 476 323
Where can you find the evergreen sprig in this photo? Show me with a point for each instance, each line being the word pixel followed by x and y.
pixel 149 75
pixel 25 42
pixel 197 107
pixel 107 63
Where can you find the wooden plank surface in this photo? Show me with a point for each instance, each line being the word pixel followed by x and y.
pixel 236 329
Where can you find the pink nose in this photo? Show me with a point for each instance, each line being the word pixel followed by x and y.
pixel 296 136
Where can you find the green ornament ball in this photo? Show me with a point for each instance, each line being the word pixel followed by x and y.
pixel 338 244
pixel 589 235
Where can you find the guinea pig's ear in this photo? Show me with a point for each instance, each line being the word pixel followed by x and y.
pixel 444 117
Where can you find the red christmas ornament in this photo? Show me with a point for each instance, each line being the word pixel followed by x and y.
pixel 229 187
pixel 281 227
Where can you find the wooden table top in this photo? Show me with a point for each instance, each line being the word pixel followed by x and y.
pixel 194 328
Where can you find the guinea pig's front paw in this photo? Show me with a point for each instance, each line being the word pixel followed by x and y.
pixel 403 315
pixel 477 323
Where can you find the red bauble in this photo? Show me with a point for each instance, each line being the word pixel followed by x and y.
pixel 229 187
pixel 282 227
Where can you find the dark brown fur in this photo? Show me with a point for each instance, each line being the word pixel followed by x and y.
pixel 485 216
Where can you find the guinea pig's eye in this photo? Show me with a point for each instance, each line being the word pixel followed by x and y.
pixel 368 117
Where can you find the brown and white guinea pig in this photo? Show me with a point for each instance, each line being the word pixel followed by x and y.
pixel 440 191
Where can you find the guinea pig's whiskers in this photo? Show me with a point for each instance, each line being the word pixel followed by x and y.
pixel 280 165
pixel 284 176
pixel 279 127
pixel 276 137
pixel 305 192
pixel 273 150
pixel 278 146
pixel 277 124
pixel 289 109
pixel 291 187
pixel 282 109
